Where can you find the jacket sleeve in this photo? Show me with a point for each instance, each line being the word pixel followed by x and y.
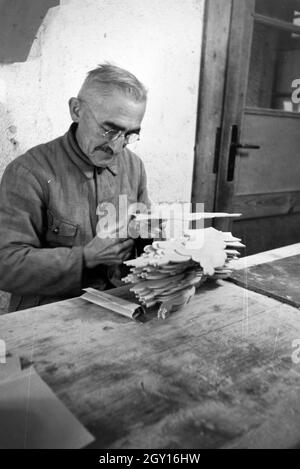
pixel 143 196
pixel 26 267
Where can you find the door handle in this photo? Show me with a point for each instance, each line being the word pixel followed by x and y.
pixel 241 147
pixel 234 141
pixel 233 150
pixel 251 146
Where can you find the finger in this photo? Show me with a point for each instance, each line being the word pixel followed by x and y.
pixel 127 244
pixel 126 256
pixel 126 250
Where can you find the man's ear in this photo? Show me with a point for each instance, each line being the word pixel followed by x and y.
pixel 74 107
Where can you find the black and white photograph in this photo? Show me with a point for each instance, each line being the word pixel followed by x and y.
pixel 149 228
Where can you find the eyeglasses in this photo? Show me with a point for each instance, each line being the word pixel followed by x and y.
pixel 113 135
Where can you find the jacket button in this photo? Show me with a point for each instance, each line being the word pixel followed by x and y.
pixel 55 230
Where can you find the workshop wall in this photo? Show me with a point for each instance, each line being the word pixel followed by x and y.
pixel 159 41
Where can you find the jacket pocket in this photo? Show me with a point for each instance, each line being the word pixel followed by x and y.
pixel 60 232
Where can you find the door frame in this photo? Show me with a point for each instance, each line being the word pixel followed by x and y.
pixel 223 79
pixel 238 63
pixel 216 30
pixel 225 61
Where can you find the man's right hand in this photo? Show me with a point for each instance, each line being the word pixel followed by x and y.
pixel 107 251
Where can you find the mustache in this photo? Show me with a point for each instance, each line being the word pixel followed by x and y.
pixel 105 149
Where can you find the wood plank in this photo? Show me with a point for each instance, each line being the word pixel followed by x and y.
pixel 212 76
pixel 265 233
pixel 278 279
pixel 267 256
pixel 267 204
pixel 203 378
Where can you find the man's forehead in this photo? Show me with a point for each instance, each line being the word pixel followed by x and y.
pixel 114 97
pixel 117 104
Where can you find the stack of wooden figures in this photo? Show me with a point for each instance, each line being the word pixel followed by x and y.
pixel 168 272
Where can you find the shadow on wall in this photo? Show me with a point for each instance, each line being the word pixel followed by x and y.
pixel 19 23
pixel 4 302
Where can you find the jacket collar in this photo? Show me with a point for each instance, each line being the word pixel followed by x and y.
pixel 80 159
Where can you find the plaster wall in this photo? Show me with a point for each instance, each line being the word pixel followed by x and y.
pixel 159 41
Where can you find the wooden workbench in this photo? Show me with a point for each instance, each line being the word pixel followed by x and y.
pixel 274 273
pixel 217 374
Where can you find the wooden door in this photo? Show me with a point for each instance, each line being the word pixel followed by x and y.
pixel 258 162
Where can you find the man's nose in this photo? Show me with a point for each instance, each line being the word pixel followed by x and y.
pixel 117 145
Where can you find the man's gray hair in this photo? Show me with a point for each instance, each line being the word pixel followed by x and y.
pixel 109 77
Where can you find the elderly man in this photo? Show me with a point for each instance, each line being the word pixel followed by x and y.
pixel 49 248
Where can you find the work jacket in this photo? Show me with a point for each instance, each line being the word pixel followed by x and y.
pixel 48 204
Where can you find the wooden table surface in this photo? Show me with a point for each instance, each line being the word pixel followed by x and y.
pixel 217 374
pixel 274 273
